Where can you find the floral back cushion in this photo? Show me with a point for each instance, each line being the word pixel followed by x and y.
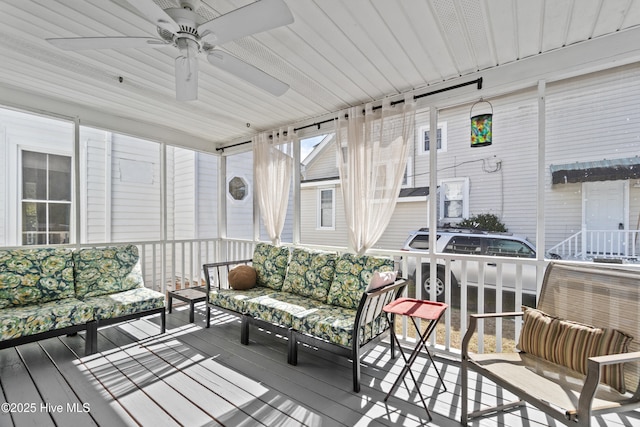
pixel 32 276
pixel 353 274
pixel 310 273
pixel 102 271
pixel 270 263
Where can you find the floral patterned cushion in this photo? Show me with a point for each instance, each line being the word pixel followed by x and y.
pixel 35 276
pixel 353 274
pixel 236 300
pixel 279 307
pixel 126 302
pixel 16 322
pixel 310 273
pixel 270 263
pixel 102 271
pixel 333 324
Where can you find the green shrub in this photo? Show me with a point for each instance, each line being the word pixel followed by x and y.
pixel 486 222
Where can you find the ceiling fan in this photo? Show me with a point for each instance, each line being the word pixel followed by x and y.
pixel 191 34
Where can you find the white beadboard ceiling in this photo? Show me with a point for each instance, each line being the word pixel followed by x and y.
pixel 336 54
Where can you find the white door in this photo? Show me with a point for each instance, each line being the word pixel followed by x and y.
pixel 604 207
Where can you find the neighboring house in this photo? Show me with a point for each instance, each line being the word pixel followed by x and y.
pixel 592 146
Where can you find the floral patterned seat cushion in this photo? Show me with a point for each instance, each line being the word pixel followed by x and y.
pixel 16 322
pixel 310 273
pixel 35 276
pixel 124 303
pixel 270 263
pixel 236 300
pixel 103 271
pixel 330 323
pixel 279 307
pixel 353 274
pixel 336 324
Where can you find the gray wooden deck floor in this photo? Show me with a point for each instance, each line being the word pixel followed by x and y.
pixel 193 376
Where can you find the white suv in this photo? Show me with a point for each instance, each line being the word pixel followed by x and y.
pixel 473 242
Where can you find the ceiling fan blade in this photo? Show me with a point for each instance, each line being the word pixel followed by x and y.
pixel 155 14
pixel 187 71
pixel 251 74
pixel 253 18
pixel 82 43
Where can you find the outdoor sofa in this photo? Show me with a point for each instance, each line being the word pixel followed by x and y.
pixel 47 292
pixel 579 350
pixel 315 298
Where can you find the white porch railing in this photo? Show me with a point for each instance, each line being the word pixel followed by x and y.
pixel 600 244
pixel 483 283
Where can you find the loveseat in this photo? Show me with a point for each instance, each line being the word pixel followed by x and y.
pixel 579 349
pixel 47 292
pixel 319 298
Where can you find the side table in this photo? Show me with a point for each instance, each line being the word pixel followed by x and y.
pixel 190 295
pixel 415 309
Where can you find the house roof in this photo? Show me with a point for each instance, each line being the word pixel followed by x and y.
pixel 600 170
pixel 335 54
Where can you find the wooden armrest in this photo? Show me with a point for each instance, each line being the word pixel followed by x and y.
pixel 473 321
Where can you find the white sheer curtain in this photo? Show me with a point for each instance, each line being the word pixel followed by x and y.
pixel 272 169
pixel 372 152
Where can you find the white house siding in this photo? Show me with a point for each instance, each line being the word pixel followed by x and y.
pixel 240 212
pixel 182 183
pixel 95 162
pixel 21 131
pixel 324 164
pixel 207 194
pixel 407 216
pixel 591 118
pixel 502 176
pixel 136 206
pixel 310 233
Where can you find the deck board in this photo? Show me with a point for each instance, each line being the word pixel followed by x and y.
pixel 198 376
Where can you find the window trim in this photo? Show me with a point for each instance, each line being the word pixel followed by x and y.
pixel 443 138
pixel 465 198
pixel 319 225
pixel 47 202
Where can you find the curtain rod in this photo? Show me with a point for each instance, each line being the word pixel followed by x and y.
pixel 477 81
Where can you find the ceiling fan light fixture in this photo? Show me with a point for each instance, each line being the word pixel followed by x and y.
pixel 187 70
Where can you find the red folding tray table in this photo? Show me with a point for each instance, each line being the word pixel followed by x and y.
pixel 416 309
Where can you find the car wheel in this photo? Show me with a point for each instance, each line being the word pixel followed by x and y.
pixel 427 283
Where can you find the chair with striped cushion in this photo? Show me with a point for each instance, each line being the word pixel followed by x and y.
pixel 579 350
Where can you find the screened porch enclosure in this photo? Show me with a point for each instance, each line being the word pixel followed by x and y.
pixel 184 208
pixel 66 183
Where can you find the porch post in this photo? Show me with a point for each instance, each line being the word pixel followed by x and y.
pixel 222 209
pixel 540 226
pixel 296 193
pixel 77 228
pixel 163 217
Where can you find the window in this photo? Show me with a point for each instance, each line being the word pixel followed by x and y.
pixel 46 198
pixel 464 245
pixel 326 208
pixel 442 138
pixel 513 248
pixel 238 188
pixel 454 199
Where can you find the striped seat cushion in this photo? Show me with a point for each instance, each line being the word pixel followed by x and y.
pixel 570 344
